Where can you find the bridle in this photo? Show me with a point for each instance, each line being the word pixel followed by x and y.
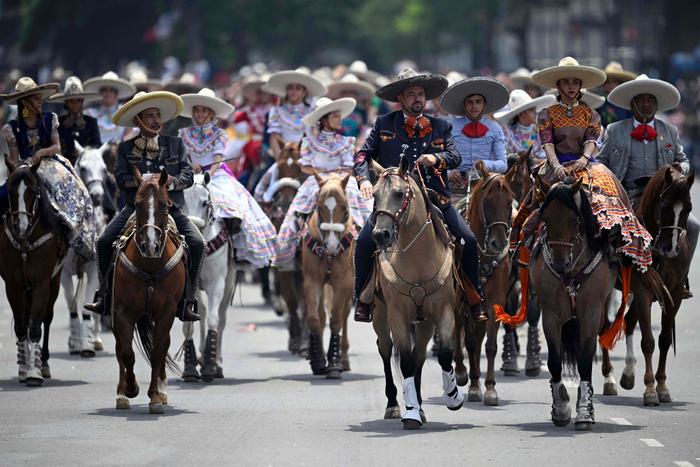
pixel 13 216
pixel 660 227
pixel 141 239
pixel 483 249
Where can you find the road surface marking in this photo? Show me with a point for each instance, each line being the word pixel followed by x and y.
pixel 651 442
pixel 683 464
pixel 621 421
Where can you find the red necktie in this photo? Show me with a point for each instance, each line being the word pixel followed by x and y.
pixel 644 133
pixel 475 130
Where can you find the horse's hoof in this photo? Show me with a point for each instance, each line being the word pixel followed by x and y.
pixel 664 397
pixel 99 346
pixel 511 372
pixel 219 373
pixel 45 371
pixel 627 381
pixel 163 399
pixel 190 377
pixel 461 378
pixel 346 364
pixel 532 372
pixel 87 353
pixel 609 389
pixel 122 403
pixel 651 399
pixel 392 413
pixel 491 397
pixel 455 408
pixel 35 381
pixel 584 426
pixel 333 374
pixel 132 392
pixel 208 377
pixel 410 424
pixel 422 416
pixel 561 421
pixel 474 395
pixel 155 408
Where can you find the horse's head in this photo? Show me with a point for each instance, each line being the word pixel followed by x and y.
pixel 332 210
pixel 92 169
pixel 518 173
pixel 288 162
pixel 152 203
pixel 569 224
pixel 198 202
pixel 666 205
pixel 490 212
pixel 24 191
pixel 392 195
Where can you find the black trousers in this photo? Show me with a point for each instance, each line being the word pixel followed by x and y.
pixel 365 248
pixel 193 238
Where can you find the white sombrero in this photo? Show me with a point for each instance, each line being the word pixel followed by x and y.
pixel 324 106
pixel 169 104
pixel 187 84
pixel 614 70
pixel 569 67
pixel 26 87
pixel 350 82
pixel 589 98
pixel 254 82
pixel 139 79
pixel 73 89
pixel 667 96
pixel 433 84
pixel 277 84
pixel 359 69
pixel 110 80
pixel 494 92
pixel 521 77
pixel 206 98
pixel 520 101
pixel 455 77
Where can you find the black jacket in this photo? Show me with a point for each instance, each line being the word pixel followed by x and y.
pixel 89 135
pixel 389 140
pixel 173 157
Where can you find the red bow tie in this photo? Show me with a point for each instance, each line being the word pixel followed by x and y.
pixel 420 124
pixel 644 133
pixel 475 130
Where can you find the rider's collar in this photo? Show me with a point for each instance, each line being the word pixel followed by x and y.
pixel 150 145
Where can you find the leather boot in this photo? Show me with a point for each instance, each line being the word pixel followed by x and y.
pixel 363 312
pixel 316 358
pixel 686 290
pixel 188 311
pixel 210 350
pixel 335 364
pixel 533 363
pixel 509 356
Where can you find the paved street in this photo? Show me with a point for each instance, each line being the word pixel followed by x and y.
pixel 269 410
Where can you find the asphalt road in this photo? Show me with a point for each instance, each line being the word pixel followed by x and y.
pixel 270 410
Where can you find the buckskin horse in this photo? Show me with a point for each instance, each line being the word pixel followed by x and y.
pixel 325 256
pixel 415 292
pixel 32 248
pixel 149 279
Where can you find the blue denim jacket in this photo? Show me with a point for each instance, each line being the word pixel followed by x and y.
pixel 491 148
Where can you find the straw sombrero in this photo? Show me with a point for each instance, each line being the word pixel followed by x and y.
pixel 73 89
pixel 206 98
pixel 569 68
pixel 277 84
pixel 667 96
pixel 614 70
pixel 519 102
pixel 324 106
pixel 110 80
pixel 26 87
pixel 350 82
pixel 433 84
pixel 494 92
pixel 169 104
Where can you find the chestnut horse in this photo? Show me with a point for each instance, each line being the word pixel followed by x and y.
pixel 32 248
pixel 149 279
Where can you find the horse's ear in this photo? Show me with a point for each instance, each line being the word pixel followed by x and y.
pixel 577 186
pixel 103 148
pixel 137 174
pixel 480 166
pixel 163 179
pixel 668 175
pixel 79 149
pixel 377 167
pixel 11 166
pixel 690 178
pixel 345 180
pixel 542 185
pixel 525 155
pixel 318 178
pixel 403 166
pixel 207 178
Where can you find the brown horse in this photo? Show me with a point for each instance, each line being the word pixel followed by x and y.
pixel 519 174
pixel 415 294
pixel 32 248
pixel 489 217
pixel 664 210
pixel 149 278
pixel 325 255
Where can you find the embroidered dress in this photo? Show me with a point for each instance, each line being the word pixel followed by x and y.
pixel 256 241
pixel 109 132
pixel 520 138
pixel 327 153
pixel 285 120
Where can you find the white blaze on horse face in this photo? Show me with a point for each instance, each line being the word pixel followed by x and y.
pixel 290 161
pixel 332 242
pixel 152 221
pixel 677 208
pixel 22 208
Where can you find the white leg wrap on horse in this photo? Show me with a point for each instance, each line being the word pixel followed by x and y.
pixel 74 339
pixel 410 397
pixel 584 406
pixel 452 395
pixel 87 342
pixel 630 358
pixel 34 362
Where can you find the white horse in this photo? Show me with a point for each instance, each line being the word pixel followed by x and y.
pixel 85 337
pixel 218 287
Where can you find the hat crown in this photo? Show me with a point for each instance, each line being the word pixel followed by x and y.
pixel 349 78
pixel 408 72
pixel 568 61
pixel 358 66
pixel 110 75
pixel 613 66
pixel 522 71
pixel 641 77
pixel 517 98
pixel 322 101
pixel 73 86
pixel 138 76
pixel 206 92
pixel 24 84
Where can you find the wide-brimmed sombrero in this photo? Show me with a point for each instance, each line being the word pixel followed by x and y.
pixel 359 69
pixel 667 96
pixel 614 70
pixel 569 67
pixel 206 98
pixel 433 84
pixel 140 80
pixel 26 87
pixel 110 80
pixel 494 92
pixel 73 89
pixel 187 84
pixel 324 106
pixel 169 104
pixel 352 83
pixel 519 102
pixel 278 82
pixel 252 83
pixel 521 77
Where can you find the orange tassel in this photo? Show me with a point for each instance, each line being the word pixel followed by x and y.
pixel 611 335
pixel 521 316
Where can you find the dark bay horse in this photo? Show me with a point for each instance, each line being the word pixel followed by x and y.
pixel 149 278
pixel 490 218
pixel 32 248
pixel 416 291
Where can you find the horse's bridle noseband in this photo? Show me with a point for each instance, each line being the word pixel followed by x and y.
pixel 483 249
pixel 395 216
pixel 660 227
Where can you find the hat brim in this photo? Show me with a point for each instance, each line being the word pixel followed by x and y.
pixel 179 88
pixel 345 105
pixel 589 76
pixel 592 99
pixel 365 90
pixel 252 86
pixel 221 108
pixel 667 96
pixel 46 91
pixel 495 93
pixel 539 104
pixel 434 86
pixel 623 76
pixel 123 87
pixel 87 97
pixel 277 84
pixel 148 86
pixel 169 104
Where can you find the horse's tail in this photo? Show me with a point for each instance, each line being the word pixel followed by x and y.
pixel 570 343
pixel 79 290
pixel 144 327
pixel 230 282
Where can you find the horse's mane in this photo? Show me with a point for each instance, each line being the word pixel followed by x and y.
pixel 564 193
pixel 48 216
pixel 481 190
